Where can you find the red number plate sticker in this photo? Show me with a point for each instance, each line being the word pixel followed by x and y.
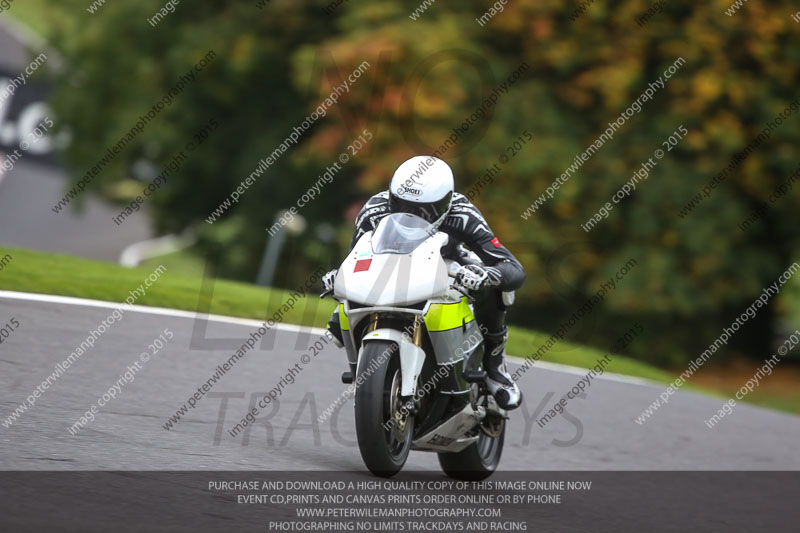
pixel 362 265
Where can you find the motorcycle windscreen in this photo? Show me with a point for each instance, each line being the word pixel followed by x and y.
pixel 401 233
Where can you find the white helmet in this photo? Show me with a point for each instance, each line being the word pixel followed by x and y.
pixel 422 186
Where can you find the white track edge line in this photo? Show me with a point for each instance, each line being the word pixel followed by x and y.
pixel 179 313
pixel 162 311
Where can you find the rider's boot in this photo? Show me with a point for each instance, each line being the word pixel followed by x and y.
pixel 498 380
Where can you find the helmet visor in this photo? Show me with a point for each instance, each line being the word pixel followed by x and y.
pixel 430 211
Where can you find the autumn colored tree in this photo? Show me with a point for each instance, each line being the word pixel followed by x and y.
pixel 467 82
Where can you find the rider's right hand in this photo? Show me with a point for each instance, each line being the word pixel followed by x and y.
pixel 328 279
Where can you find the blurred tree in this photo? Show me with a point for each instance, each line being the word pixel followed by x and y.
pixel 119 67
pixel 696 273
pixel 426 78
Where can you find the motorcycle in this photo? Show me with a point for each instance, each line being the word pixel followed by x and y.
pixel 415 353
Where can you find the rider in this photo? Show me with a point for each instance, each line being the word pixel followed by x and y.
pixel 424 186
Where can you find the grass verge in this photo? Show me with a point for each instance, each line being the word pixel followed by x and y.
pixel 45 273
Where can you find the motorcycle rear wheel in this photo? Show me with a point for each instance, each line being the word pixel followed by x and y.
pixel 478 460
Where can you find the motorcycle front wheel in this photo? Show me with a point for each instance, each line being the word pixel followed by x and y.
pixel 384 439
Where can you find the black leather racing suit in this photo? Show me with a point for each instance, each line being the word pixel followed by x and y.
pixel 464 224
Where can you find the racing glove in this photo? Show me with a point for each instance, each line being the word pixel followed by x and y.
pixel 475 277
pixel 328 279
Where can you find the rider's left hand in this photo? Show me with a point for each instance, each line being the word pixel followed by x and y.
pixel 475 277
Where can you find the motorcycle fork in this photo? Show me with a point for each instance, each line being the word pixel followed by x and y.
pixel 373 322
pixel 416 335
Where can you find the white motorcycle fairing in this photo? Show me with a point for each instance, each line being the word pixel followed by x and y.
pixel 386 279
